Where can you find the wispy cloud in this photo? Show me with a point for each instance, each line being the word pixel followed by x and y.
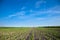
pixel 40 18
pixel 53 10
pixel 31 10
pixel 38 3
pixel 23 8
pixel 32 13
pixel 10 16
pixel 21 13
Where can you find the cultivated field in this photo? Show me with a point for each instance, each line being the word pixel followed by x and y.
pixel 37 33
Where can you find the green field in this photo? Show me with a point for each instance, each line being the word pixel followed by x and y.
pixel 29 33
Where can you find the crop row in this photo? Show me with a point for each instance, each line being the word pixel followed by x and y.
pixel 31 34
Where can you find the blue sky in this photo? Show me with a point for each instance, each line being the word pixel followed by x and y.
pixel 29 13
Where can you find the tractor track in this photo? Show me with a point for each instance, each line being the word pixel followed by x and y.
pixel 29 36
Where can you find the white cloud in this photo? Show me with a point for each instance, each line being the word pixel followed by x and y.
pixel 38 3
pixel 31 10
pixel 57 7
pixel 22 13
pixel 53 10
pixel 23 8
pixel 49 11
pixel 40 18
pixel 11 16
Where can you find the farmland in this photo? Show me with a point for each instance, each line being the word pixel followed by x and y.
pixel 29 33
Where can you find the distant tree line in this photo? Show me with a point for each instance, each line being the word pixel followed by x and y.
pixel 49 26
